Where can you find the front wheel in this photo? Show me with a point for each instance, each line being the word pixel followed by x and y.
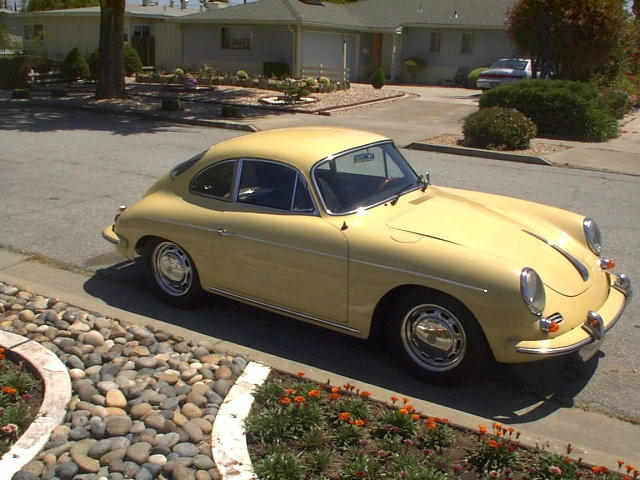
pixel 172 273
pixel 437 337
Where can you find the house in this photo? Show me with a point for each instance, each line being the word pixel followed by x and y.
pixel 449 35
pixel 150 29
pixel 10 22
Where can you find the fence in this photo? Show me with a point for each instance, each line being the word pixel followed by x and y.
pixel 35 79
pixel 337 74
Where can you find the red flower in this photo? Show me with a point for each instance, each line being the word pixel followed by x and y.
pixel 9 390
pixel 394 399
pixel 344 416
pixel 298 399
pixel 482 429
pixel 365 394
pixel 285 400
pixel 334 396
pixel 314 393
pixel 493 444
pixel 300 374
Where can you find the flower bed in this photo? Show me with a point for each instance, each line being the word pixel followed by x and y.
pixel 20 398
pixel 301 430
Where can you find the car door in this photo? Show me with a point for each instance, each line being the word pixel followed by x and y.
pixel 273 247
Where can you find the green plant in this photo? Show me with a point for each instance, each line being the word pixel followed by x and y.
pixel 472 78
pixel 275 69
pixel 495 451
pixel 14 70
pixel 94 64
pixel 292 419
pixel 565 108
pixel 614 101
pixel 279 466
pixel 242 75
pixel 178 72
pixel 171 104
pixel 498 129
pixel 58 92
pixel 75 65
pixel 311 82
pixel 378 78
pixel 414 66
pixel 324 81
pixel 437 434
pixel 394 422
pixel 359 467
pixel 19 379
pixel 230 111
pixel 207 71
pixel 132 63
pixel 551 466
pixel 318 461
pixel 356 407
pixel 20 93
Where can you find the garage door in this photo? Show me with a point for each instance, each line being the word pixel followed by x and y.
pixel 319 48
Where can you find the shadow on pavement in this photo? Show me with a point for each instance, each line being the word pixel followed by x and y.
pixel 508 393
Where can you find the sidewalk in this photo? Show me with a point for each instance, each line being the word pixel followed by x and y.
pixel 598 439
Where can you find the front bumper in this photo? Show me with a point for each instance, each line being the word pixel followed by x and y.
pixel 585 337
pixel 111 236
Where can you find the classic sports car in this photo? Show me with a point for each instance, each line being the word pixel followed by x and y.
pixel 333 227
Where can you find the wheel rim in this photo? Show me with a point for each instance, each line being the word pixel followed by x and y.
pixel 433 337
pixel 172 269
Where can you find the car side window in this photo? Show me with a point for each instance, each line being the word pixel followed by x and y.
pixel 302 198
pixel 266 184
pixel 215 181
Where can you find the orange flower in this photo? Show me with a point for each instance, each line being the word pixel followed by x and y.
pixel 512 447
pixel 344 416
pixel 482 429
pixel 285 400
pixel 603 469
pixel 365 394
pixel 511 430
pixel 359 423
pixel 492 444
pixel 443 421
pixel 9 390
pixel 335 389
pixel 497 426
pixel 405 400
pixel 628 467
pixel 431 426
pixel 348 386
pixel 626 477
pixel 498 433
pixel 403 411
pixel 300 374
pixel 298 399
pixel 620 462
pixel 314 393
pixel 410 408
pixel 567 460
pixel 596 470
pixel 1 353
pixel 394 399
pixel 290 391
pixel 415 416
pixel 334 396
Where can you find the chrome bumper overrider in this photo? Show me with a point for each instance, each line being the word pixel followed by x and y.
pixel 594 324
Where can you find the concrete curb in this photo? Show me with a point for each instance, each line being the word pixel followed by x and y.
pixel 478 152
pixel 57 394
pixel 228 441
pixel 245 127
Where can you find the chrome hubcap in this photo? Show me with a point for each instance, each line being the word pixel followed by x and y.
pixel 433 337
pixel 172 269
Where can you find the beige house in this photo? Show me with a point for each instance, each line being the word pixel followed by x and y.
pixel 9 20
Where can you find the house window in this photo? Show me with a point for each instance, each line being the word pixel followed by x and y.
pixel 141 31
pixel 236 38
pixel 434 42
pixel 32 31
pixel 466 43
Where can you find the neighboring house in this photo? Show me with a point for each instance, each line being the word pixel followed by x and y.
pixel 451 36
pixel 9 20
pixel 151 30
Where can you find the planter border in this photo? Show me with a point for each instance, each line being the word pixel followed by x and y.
pixel 478 152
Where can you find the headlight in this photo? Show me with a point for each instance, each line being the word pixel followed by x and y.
pixel 532 290
pixel 592 235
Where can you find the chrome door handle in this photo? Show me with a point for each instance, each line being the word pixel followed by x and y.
pixel 223 232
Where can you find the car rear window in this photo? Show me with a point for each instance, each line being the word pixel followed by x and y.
pixel 510 63
pixel 186 165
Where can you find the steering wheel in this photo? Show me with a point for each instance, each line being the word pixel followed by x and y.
pixel 386 182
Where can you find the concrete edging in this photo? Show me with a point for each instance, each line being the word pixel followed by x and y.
pixel 478 152
pixel 228 441
pixel 57 394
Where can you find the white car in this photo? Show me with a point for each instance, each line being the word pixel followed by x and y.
pixel 504 71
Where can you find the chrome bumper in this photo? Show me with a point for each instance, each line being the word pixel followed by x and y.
pixel 593 326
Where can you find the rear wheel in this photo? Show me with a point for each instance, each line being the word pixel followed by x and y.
pixel 437 337
pixel 172 273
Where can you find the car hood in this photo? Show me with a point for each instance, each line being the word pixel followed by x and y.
pixel 464 222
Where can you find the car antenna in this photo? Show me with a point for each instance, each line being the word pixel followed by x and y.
pixel 344 226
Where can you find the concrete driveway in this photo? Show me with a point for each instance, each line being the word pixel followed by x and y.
pixel 450 95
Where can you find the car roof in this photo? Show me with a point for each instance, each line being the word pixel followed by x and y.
pixel 301 147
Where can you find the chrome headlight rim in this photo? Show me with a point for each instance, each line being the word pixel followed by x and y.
pixel 592 235
pixel 532 291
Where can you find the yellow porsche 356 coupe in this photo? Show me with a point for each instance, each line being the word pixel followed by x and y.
pixel 333 226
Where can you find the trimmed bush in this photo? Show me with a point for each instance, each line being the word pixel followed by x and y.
pixel 615 102
pixel 171 105
pixel 324 81
pixel 14 70
pixel 178 72
pixel 498 129
pixel 132 62
pixel 94 64
pixel 311 82
pixel 20 93
pixel 414 66
pixel 230 111
pixel 563 108
pixel 472 78
pixel 275 69
pixel 377 81
pixel 75 65
pixel 242 75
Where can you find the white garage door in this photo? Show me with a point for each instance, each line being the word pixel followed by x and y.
pixel 319 48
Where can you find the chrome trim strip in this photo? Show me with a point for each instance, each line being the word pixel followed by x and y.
pixel 115 241
pixel 282 310
pixel 584 273
pixel 424 275
pixel 182 224
pixel 575 346
pixel 300 249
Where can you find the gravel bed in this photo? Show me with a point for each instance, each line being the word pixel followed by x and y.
pixel 144 400
pixel 537 148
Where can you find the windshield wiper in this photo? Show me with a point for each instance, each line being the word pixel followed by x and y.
pixel 397 195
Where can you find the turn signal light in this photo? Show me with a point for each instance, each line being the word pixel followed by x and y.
pixel 553 327
pixel 121 209
pixel 607 264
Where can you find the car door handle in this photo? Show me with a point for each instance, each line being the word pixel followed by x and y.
pixel 223 232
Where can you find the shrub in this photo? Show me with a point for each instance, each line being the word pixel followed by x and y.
pixel 171 104
pixel 498 128
pixel 230 111
pixel 75 65
pixel 564 108
pixel 242 75
pixel 14 70
pixel 324 81
pixel 20 93
pixel 414 66
pixel 132 63
pixel 311 82
pixel 275 69
pixel 94 64
pixel 178 72
pixel 472 78
pixel 615 102
pixel 58 92
pixel 378 78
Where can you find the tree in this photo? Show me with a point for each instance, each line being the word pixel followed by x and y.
pixel 574 38
pixel 111 69
pixel 6 42
pixel 635 8
pixel 39 5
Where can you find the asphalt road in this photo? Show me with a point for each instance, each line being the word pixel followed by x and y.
pixel 64 174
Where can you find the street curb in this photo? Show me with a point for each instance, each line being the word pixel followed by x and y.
pixel 57 394
pixel 228 440
pixel 478 152
pixel 245 127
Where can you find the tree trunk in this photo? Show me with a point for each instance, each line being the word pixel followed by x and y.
pixel 111 69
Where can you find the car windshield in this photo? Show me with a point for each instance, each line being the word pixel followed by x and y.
pixel 363 178
pixel 510 63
